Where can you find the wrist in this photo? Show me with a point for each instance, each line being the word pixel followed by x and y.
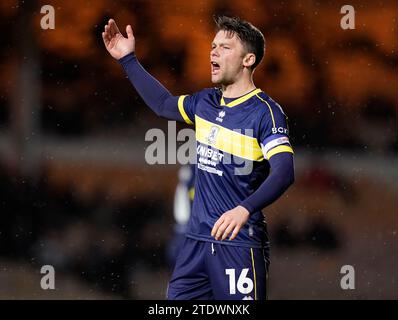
pixel 247 207
pixel 128 57
pixel 244 210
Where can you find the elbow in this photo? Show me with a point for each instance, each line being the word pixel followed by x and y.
pixel 284 179
pixel 289 178
pixel 159 113
pixel 282 168
pixel 159 109
pixel 290 173
pixel 292 176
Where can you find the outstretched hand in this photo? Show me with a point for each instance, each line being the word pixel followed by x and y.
pixel 117 45
pixel 231 221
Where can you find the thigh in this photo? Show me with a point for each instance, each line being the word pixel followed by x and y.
pixel 189 280
pixel 238 273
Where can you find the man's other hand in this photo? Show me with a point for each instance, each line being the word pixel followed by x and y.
pixel 231 221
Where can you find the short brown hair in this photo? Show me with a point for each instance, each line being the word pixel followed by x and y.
pixel 251 37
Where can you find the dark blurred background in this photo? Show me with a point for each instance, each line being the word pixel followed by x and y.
pixel 76 192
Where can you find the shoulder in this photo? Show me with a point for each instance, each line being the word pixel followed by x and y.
pixel 271 115
pixel 268 106
pixel 269 111
pixel 206 92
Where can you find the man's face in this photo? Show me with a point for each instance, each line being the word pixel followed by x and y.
pixel 226 58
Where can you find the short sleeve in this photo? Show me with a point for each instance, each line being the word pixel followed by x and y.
pixel 274 131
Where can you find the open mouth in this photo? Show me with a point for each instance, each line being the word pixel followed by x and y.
pixel 215 67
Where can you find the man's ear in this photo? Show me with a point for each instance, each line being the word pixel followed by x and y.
pixel 249 59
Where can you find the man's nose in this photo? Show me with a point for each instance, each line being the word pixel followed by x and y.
pixel 214 52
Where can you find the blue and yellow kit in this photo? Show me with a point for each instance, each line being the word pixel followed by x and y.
pixel 232 134
pixel 236 140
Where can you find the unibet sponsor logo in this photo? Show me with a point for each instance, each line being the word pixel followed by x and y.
pixel 206 152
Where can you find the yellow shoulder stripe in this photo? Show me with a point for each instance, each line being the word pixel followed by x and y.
pixel 270 110
pixel 182 110
pixel 279 149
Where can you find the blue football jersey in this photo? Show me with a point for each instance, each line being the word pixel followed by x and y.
pixel 235 138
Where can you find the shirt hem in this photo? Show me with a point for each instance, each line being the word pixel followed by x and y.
pixel 234 243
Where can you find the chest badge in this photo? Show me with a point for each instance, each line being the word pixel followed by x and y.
pixel 211 139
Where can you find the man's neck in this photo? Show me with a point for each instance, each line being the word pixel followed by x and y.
pixel 238 88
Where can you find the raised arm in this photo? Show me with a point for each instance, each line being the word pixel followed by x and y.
pixel 154 94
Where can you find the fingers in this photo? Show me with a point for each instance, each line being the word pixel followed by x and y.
pixel 223 227
pixel 218 223
pixel 129 32
pixel 235 232
pixel 232 220
pixel 227 231
pixel 221 230
pixel 106 35
pixel 105 39
pixel 113 27
pixel 110 30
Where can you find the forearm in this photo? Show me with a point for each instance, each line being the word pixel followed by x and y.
pixel 278 181
pixel 154 94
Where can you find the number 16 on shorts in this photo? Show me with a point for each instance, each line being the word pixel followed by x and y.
pixel 243 284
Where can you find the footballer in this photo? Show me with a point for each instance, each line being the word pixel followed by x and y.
pixel 225 254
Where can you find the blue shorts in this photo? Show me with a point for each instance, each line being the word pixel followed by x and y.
pixel 212 271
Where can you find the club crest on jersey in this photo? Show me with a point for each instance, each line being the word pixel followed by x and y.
pixel 221 115
pixel 211 139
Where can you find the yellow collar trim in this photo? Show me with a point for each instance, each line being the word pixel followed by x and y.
pixel 240 100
